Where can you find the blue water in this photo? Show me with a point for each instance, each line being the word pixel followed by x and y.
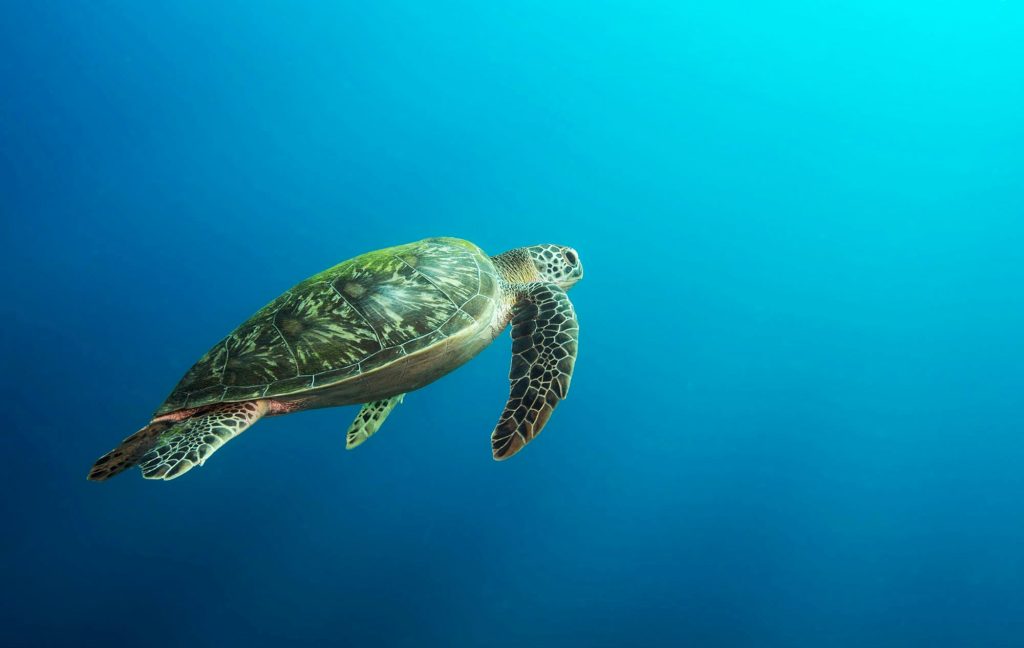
pixel 797 413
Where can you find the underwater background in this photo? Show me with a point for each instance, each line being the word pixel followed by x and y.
pixel 797 413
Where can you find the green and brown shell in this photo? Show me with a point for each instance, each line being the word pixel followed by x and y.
pixel 356 317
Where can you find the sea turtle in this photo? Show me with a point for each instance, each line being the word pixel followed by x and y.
pixel 368 331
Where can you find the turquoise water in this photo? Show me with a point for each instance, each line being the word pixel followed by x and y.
pixel 796 415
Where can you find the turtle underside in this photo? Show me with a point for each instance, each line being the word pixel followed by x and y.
pixel 354 318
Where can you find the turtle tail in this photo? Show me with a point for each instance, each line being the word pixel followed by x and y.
pixel 129 452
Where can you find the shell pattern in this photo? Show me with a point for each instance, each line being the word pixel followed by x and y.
pixel 353 318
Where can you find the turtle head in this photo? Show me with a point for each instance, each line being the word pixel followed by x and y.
pixel 558 264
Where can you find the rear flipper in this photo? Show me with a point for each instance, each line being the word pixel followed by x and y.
pixel 369 420
pixel 189 443
pixel 177 447
pixel 129 452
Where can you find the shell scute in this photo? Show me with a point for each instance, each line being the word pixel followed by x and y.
pixel 324 330
pixel 458 322
pixel 245 392
pixel 257 355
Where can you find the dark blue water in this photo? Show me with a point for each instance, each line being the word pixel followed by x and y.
pixel 797 412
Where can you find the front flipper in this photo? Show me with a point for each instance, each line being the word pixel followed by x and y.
pixel 369 419
pixel 190 442
pixel 544 341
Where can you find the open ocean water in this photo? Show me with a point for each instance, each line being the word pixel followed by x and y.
pixel 797 417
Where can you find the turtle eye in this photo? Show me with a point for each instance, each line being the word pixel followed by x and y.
pixel 570 256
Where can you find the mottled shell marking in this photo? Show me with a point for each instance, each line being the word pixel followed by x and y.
pixel 353 318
